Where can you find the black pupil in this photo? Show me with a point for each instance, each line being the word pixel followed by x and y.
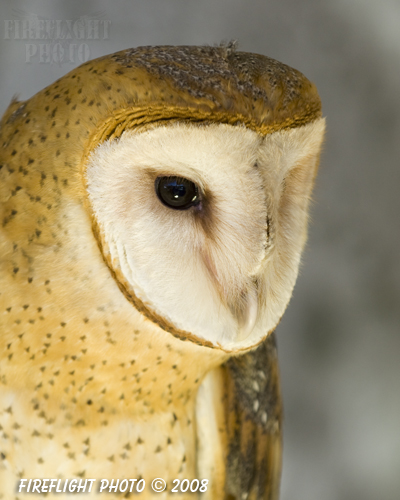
pixel 176 192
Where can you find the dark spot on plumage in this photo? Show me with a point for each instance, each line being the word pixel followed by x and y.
pixel 53 113
pixel 13 152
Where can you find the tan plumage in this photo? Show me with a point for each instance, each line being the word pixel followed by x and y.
pixel 101 284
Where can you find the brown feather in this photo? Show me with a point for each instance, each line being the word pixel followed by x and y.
pixel 254 417
pixel 89 385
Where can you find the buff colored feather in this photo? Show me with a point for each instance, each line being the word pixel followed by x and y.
pixel 135 339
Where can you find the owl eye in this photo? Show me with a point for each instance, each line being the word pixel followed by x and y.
pixel 176 192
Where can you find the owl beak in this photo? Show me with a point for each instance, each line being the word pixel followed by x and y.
pixel 248 316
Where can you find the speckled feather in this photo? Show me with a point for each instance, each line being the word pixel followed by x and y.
pixel 89 386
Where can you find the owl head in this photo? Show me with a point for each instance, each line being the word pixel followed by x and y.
pixel 194 167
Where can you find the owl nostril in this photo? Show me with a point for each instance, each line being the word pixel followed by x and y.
pixel 267 243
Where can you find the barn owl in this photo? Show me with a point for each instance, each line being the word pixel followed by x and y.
pixel 153 213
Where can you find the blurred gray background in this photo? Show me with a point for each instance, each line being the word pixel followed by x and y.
pixel 339 342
